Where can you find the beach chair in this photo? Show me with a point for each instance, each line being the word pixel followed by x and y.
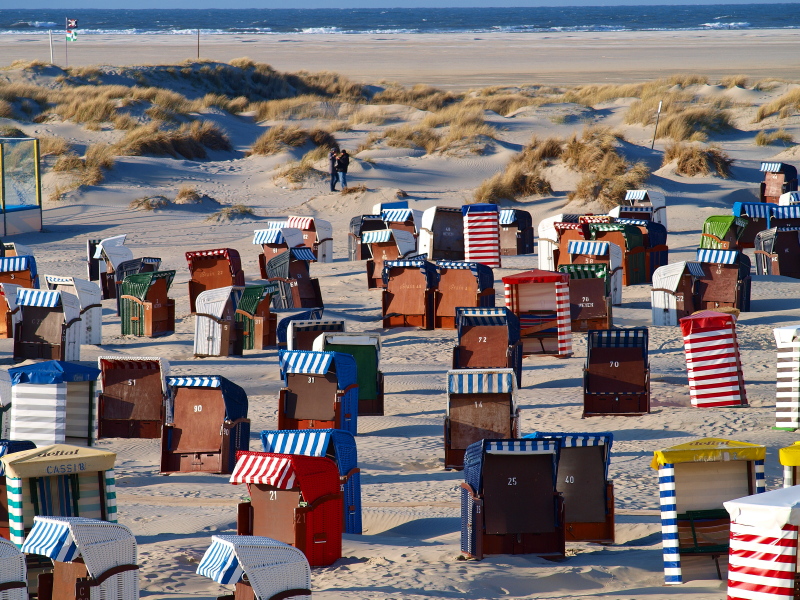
pixel 52 402
pixel 516 232
pixel 6 395
pixel 8 447
pixel 317 236
pixel 293 499
pixel 301 334
pixel 778 252
pixel 695 479
pixel 583 481
pixel 260 567
pixel 441 236
pixel 320 391
pixel 216 331
pixel 785 216
pixel 398 216
pixel 722 232
pixel 631 241
pixel 340 447
pixel 145 306
pixel 315 314
pixel 589 296
pixel 712 360
pixel 9 311
pixel 212 269
pixel 481 404
pixel 616 379
pixel 540 299
pixel 358 227
pixel 131 403
pixel 673 293
pixel 509 501
pixel 779 178
pixel 49 325
pixel 787 378
pixel 92 559
pixel 258 325
pixel 637 202
pixel 16 249
pixel 758 216
pixel 594 253
pixel 19 270
pixel 655 243
pixel 43 481
pixel 13 572
pixel 488 338
pixel 296 287
pixel 408 297
pixel 789 199
pixel 725 281
pixel 205 425
pixel 274 241
pixel 383 245
pixel 104 258
pixel 365 348
pixel 89 298
pixel 482 234
pixel 133 267
pixel 568 232
pixel 461 284
pixel 548 240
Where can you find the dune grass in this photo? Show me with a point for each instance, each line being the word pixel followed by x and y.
pixel 354 189
pixel 733 81
pixel 784 106
pixel 149 203
pixel 230 213
pixel 423 97
pixel 280 137
pixel 694 159
pixel 53 145
pixel 189 141
pixel 682 116
pixel 187 194
pixel 781 135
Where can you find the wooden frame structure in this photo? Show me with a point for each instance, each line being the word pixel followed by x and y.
pixel 408 296
pixel 296 288
pixel 384 245
pixel 655 243
pixel 320 391
pixel 725 282
pixel 488 338
pixel 779 178
pixel 212 269
pixel 108 255
pixel 398 216
pixel 20 185
pixel 673 293
pixel 637 202
pixel 540 299
pixel 509 501
pixel 441 236
pixel 616 379
pixel 461 284
pixel 293 499
pixel 695 479
pixel 778 252
pixel 758 215
pixel 592 253
pixel 132 399
pixel 583 481
pixel 49 325
pixel 589 296
pixel 548 236
pixel 205 425
pixel 145 306
pixel 722 232
pixel 481 404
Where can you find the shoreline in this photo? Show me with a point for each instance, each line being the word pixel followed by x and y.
pixel 453 61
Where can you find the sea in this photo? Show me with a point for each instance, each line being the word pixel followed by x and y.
pixel 403 20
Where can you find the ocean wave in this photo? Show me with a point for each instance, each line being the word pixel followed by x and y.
pixel 37 24
pixel 740 25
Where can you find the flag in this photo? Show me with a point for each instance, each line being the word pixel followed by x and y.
pixel 72 36
pixel 72 23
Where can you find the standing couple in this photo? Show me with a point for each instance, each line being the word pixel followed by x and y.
pixel 337 167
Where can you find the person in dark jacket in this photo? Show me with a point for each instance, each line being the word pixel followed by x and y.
pixel 332 162
pixel 342 162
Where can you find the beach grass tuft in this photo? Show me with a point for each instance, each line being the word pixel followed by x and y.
pixel 780 135
pixel 230 213
pixel 694 159
pixel 354 189
pixel 420 96
pixel 733 81
pixel 149 203
pixel 784 105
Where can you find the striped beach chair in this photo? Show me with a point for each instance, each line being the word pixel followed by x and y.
pixel 339 446
pixel 258 325
pixel 722 232
pixel 398 216
pixel 725 281
pixel 779 178
pixel 712 360
pixel 441 236
pixel 631 241
pixel 648 201
pixel 13 572
pixel 103 258
pixel 358 226
pixel 584 483
pixel 365 348
pixel 95 558
pixel 616 379
pixel 216 331
pixel 540 299
pixel 212 269
pixel 509 501
pixel 133 267
pixel 488 338
pixel 516 232
pixel 296 288
pixel 260 567
pixel 145 306
pixel 408 296
pixel 673 294
pixel 205 424
pixel 275 240
pixel 461 284
pixel 89 298
pixel 549 250
pixel 787 379
pixel 589 296
pixel 52 402
pixel 777 250
pixel 49 325
pixel 482 234
pixel 758 215
pixel 593 253
pixel 301 334
pixel 655 243
pixel 317 235
pixel 481 403
pixel 315 314
pixel 699 476
pixel 294 499
pixel 19 270
pixel 384 245
pixel 320 391
pixel 32 488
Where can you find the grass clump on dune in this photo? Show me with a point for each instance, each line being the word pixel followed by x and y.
pixel 230 213
pixel 784 106
pixel 55 146
pixel 694 159
pixel 423 97
pixel 733 81
pixel 280 137
pixel 411 136
pixel 781 135
pixel 149 203
pixel 301 107
pixel 682 118
pixel 187 141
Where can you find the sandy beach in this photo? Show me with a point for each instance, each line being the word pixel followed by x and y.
pixel 411 509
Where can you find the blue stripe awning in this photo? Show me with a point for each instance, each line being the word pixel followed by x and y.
pixel 51 538
pixel 29 297
pixel 308 442
pixel 725 257
pixel 523 445
pixel 640 222
pixel 480 381
pixel 627 209
pixel 635 337
pixel 785 212
pixel 508 216
pixel 696 269
pixel 794 197
pixel 268 236
pixel 482 316
pixel 220 563
pixel 771 167
pixel 317 325
pixel 209 382
pixel 378 236
pixel 305 361
pixel 591 248
pixel 397 215
pixel 635 194
pixel 17 263
pixel 303 254
pixel 761 210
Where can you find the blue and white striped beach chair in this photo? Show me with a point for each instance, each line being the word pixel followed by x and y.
pixel 488 338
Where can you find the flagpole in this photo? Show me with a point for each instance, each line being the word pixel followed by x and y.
pixel 66 43
pixel 50 33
